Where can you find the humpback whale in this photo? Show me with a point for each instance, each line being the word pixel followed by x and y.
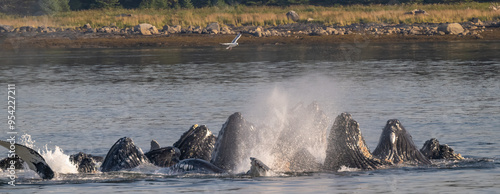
pixel 236 138
pixel 124 154
pixel 85 163
pixel 199 151
pixel 433 150
pixel 396 145
pixel 346 146
pixel 34 160
pixel 194 165
pixel 197 142
pixel 164 157
pixel 258 168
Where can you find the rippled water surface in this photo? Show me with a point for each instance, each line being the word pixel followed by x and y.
pixel 86 99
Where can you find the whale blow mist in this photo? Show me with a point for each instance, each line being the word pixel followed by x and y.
pixel 290 125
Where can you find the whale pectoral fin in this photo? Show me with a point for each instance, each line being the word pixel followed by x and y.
pixel 34 160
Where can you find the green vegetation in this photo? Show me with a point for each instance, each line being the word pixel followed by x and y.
pixel 239 15
pixel 30 7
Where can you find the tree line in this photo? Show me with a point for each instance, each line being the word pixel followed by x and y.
pixel 41 7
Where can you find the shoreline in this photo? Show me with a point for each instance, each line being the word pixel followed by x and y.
pixel 86 37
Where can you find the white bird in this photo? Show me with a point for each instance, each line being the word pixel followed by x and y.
pixel 233 43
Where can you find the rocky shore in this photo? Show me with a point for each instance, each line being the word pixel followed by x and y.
pixel 214 33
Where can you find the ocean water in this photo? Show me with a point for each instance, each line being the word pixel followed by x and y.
pixel 72 100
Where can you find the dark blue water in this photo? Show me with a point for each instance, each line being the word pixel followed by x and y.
pixel 86 99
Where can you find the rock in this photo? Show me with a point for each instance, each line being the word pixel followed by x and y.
pixel 187 30
pixel 414 31
pixel 453 28
pixel 86 26
pixel 154 30
pixel 266 33
pixel 330 30
pixel 275 33
pixel 226 30
pixel 26 29
pixel 146 29
pixel 476 21
pixel 213 28
pixel 417 12
pixel 6 28
pixel 198 30
pixel 292 15
pixel 128 31
pixel 319 32
pixel 172 29
pixel 108 30
pixel 257 32
pixel 43 29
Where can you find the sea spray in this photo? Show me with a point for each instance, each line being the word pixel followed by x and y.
pixel 56 159
pixel 291 120
pixel 26 140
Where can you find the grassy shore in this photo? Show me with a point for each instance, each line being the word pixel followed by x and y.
pixel 261 16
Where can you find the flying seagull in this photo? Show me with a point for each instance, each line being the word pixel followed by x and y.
pixel 233 43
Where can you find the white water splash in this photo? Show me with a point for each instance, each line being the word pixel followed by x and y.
pixel 58 161
pixel 348 169
pixel 55 158
pixel 26 140
pixel 285 124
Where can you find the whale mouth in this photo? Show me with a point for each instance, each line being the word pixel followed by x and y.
pixel 396 145
pixel 347 147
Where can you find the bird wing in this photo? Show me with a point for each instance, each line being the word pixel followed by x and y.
pixel 226 44
pixel 236 38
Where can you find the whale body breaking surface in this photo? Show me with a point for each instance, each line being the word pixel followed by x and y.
pixel 199 151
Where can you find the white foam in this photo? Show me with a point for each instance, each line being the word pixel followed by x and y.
pixel 58 161
pixel 146 168
pixel 347 169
